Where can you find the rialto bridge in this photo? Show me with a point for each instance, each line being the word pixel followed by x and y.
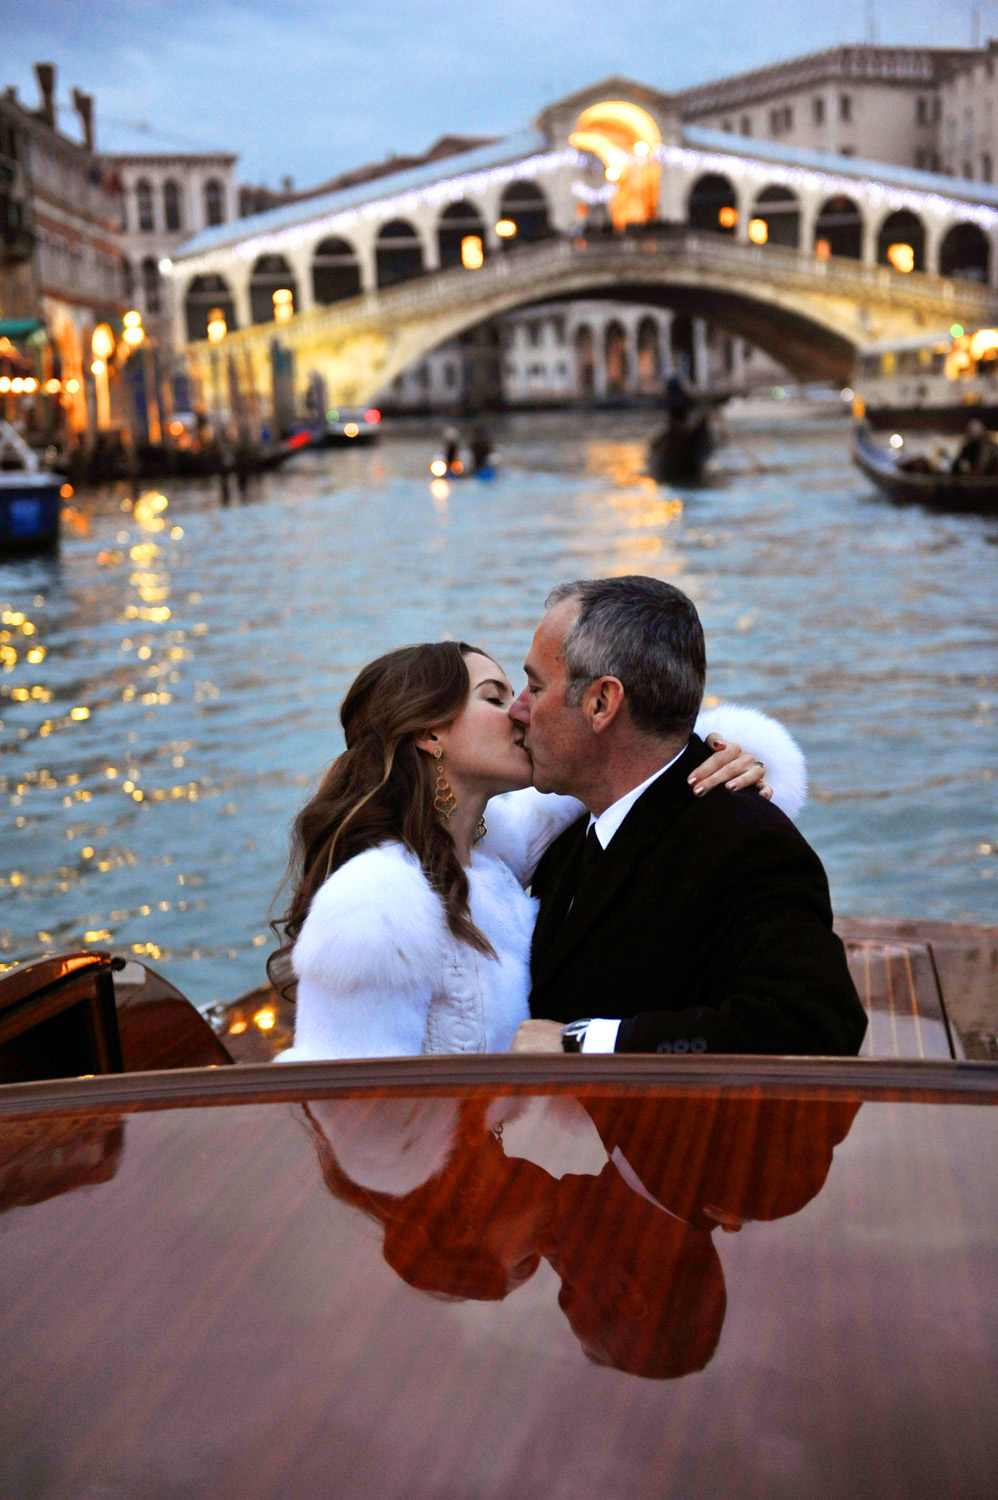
pixel 806 255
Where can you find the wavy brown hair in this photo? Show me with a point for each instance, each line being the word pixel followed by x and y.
pixel 382 788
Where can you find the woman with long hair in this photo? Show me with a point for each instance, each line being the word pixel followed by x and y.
pixel 408 929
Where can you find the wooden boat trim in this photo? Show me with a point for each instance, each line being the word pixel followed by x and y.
pixel 186 1088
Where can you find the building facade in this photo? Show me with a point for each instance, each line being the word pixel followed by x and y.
pixel 166 197
pixel 876 103
pixel 969 132
pixel 62 208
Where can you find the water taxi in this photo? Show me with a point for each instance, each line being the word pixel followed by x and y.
pixel 30 497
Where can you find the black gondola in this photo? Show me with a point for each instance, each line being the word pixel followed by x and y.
pixel 679 453
pixel 941 490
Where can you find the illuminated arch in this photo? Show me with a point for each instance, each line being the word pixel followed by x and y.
pixel 625 138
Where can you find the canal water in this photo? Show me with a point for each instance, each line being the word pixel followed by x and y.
pixel 170 682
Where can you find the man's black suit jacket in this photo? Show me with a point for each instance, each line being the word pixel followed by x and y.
pixel 707 927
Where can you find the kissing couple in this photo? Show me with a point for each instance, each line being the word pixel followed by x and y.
pixel 673 906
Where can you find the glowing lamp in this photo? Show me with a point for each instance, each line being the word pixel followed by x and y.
pixel 956 329
pixel 72 386
pixel 333 415
pixel 901 257
pixel 30 385
pixel 284 305
pixel 102 342
pixel 727 217
pixel 17 385
pixel 176 429
pixel 612 174
pixel 351 430
pixel 217 326
pixel 506 229
pixel 133 336
pixel 758 231
pixel 897 441
pixel 457 467
pixel 98 367
pixel 372 415
pixel 641 148
pixel 66 491
pixel 472 253
pixel 52 387
pixel 823 249
pixel 438 468
pixel 4 383
pixel 133 319
pixel 983 341
pixel 266 1018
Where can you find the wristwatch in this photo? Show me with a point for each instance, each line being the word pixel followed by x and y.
pixel 574 1034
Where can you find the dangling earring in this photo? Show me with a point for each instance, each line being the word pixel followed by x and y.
pixel 480 831
pixel 444 801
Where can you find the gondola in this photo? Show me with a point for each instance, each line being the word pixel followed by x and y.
pixel 942 491
pixel 30 498
pixel 679 453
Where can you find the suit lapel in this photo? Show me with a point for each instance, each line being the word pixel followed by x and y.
pixel 555 902
pixel 646 822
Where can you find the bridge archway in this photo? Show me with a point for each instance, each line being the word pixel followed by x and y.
pixel 585 360
pixel 525 205
pixel 335 272
pixel 398 253
pixel 615 358
pixel 649 355
pixel 457 222
pixel 965 254
pixel 838 229
pixel 270 274
pixel 901 241
pixel 713 205
pixel 778 209
pixel 204 294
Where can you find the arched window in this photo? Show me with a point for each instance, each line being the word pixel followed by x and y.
pixel 214 201
pixel 457 222
pixel 649 355
pixel 127 279
pixel 399 253
pixel 683 346
pixel 901 241
pixel 204 294
pixel 143 201
pixel 335 272
pixel 585 360
pixel 171 205
pixel 838 230
pixel 270 274
pixel 965 253
pixel 524 205
pixel 151 286
pixel 713 205
pixel 615 351
pixel 775 218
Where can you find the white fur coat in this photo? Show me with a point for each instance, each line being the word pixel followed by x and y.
pixel 381 975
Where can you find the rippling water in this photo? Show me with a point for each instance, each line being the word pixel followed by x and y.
pixel 179 666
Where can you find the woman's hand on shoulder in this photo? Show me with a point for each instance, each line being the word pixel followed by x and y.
pixel 729 766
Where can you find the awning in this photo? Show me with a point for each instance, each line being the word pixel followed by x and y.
pixel 19 328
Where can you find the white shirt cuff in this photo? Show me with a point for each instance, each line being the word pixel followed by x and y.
pixel 601 1035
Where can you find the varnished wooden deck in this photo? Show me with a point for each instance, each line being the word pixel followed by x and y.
pixel 930 990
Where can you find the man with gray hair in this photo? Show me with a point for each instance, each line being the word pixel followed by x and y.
pixel 668 922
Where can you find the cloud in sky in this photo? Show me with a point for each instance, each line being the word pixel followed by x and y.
pixel 311 87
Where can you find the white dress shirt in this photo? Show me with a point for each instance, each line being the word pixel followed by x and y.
pixel 601 1033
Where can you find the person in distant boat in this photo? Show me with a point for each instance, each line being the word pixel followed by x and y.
pixel 978 453
pixel 452 444
pixel 666 924
pixel 678 402
pixel 409 927
pixel 480 447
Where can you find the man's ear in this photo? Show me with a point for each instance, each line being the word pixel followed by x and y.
pixel 603 702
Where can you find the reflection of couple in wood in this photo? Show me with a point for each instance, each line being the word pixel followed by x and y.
pixel 641 1282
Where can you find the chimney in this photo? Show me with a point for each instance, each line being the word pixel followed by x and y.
pixel 45 73
pixel 84 106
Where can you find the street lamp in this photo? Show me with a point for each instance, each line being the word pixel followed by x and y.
pixel 284 305
pixel 102 348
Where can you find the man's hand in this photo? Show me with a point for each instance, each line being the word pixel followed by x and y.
pixel 537 1036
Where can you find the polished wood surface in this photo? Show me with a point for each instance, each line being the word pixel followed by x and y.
pixel 494 1276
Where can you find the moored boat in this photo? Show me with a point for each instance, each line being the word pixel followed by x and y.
pixel 30 498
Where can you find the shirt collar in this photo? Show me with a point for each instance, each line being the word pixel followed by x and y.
pixel 610 819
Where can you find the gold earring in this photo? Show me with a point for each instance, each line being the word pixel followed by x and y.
pixel 444 801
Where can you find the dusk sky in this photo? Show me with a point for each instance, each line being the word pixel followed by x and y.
pixel 307 89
